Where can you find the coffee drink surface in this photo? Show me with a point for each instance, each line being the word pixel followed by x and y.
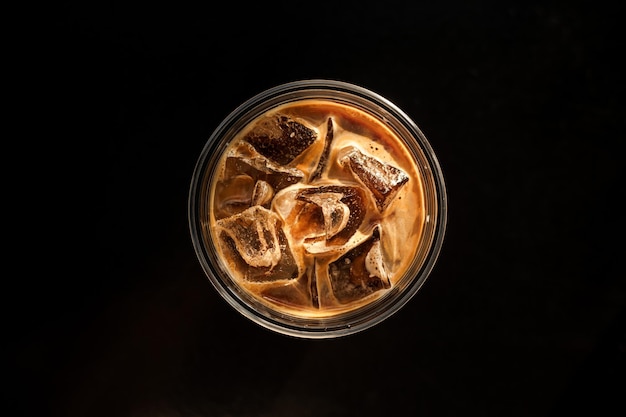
pixel 317 208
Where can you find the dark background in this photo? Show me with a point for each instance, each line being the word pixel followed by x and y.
pixel 523 314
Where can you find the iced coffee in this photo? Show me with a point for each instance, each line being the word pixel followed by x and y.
pixel 316 207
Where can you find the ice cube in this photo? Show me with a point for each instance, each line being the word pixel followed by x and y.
pixel 260 168
pixel 233 195
pixel 262 194
pixel 297 293
pixel 255 242
pixel 323 161
pixel 250 179
pixel 329 213
pixel 302 219
pixel 335 213
pixel 382 179
pixel 280 138
pixel 360 272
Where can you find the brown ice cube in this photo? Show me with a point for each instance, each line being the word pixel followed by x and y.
pixel 335 214
pixel 382 179
pixel 249 180
pixel 323 161
pixel 260 168
pixel 233 195
pixel 254 240
pixel 280 138
pixel 360 272
pixel 297 293
pixel 334 210
pixel 262 194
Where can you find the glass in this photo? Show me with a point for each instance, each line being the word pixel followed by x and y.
pixel 317 208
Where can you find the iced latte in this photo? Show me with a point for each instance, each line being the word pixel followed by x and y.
pixel 316 208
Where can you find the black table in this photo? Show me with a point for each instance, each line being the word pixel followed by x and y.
pixel 524 312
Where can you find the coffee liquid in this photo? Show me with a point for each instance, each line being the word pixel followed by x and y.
pixel 317 208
